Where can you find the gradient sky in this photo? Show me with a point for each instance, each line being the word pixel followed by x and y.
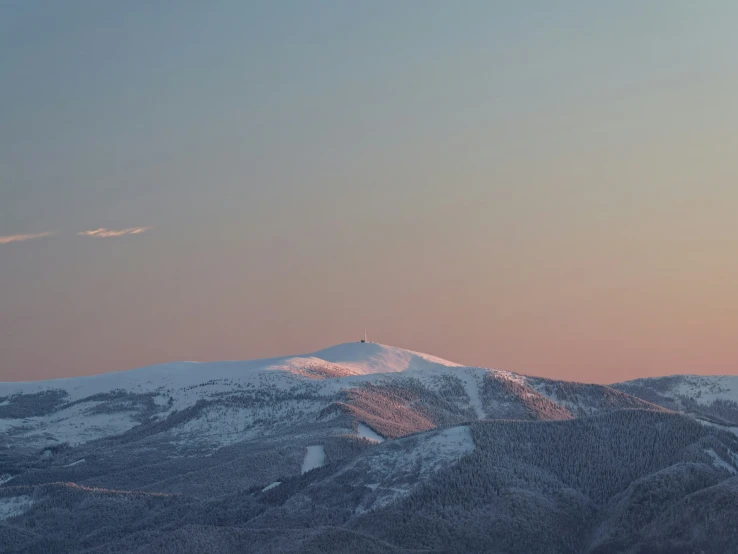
pixel 544 187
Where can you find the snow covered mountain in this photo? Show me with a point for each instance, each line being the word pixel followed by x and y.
pixel 342 441
pixel 390 390
pixel 713 399
pixel 217 403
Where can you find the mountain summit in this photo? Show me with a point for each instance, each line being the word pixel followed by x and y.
pixel 371 357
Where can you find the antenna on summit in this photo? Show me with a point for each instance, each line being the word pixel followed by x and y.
pixel 364 339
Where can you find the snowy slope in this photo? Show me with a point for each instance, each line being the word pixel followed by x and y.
pixel 270 394
pixel 703 389
pixel 381 389
pixel 394 432
pixel 714 398
pixel 337 361
pixel 378 358
pixel 390 471
pixel 14 506
pixel 314 458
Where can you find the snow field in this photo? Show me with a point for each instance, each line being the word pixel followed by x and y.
pixel 14 506
pixel 314 458
pixel 366 432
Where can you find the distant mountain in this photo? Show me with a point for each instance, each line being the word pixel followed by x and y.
pixel 363 447
pixel 711 399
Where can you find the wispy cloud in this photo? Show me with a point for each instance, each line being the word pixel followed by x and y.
pixel 21 238
pixel 103 233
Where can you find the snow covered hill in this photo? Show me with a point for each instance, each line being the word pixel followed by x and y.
pixel 76 410
pixel 344 438
pixel 336 361
pixel 388 390
pixel 713 399
pixel 624 481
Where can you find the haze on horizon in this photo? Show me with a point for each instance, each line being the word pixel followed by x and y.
pixel 546 188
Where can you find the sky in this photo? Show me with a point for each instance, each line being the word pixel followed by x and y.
pixel 543 187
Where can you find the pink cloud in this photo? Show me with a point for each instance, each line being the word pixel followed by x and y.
pixel 107 233
pixel 21 238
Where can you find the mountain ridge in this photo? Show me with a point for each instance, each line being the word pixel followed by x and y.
pixel 374 448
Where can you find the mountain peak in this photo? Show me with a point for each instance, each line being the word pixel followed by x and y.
pixel 372 357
